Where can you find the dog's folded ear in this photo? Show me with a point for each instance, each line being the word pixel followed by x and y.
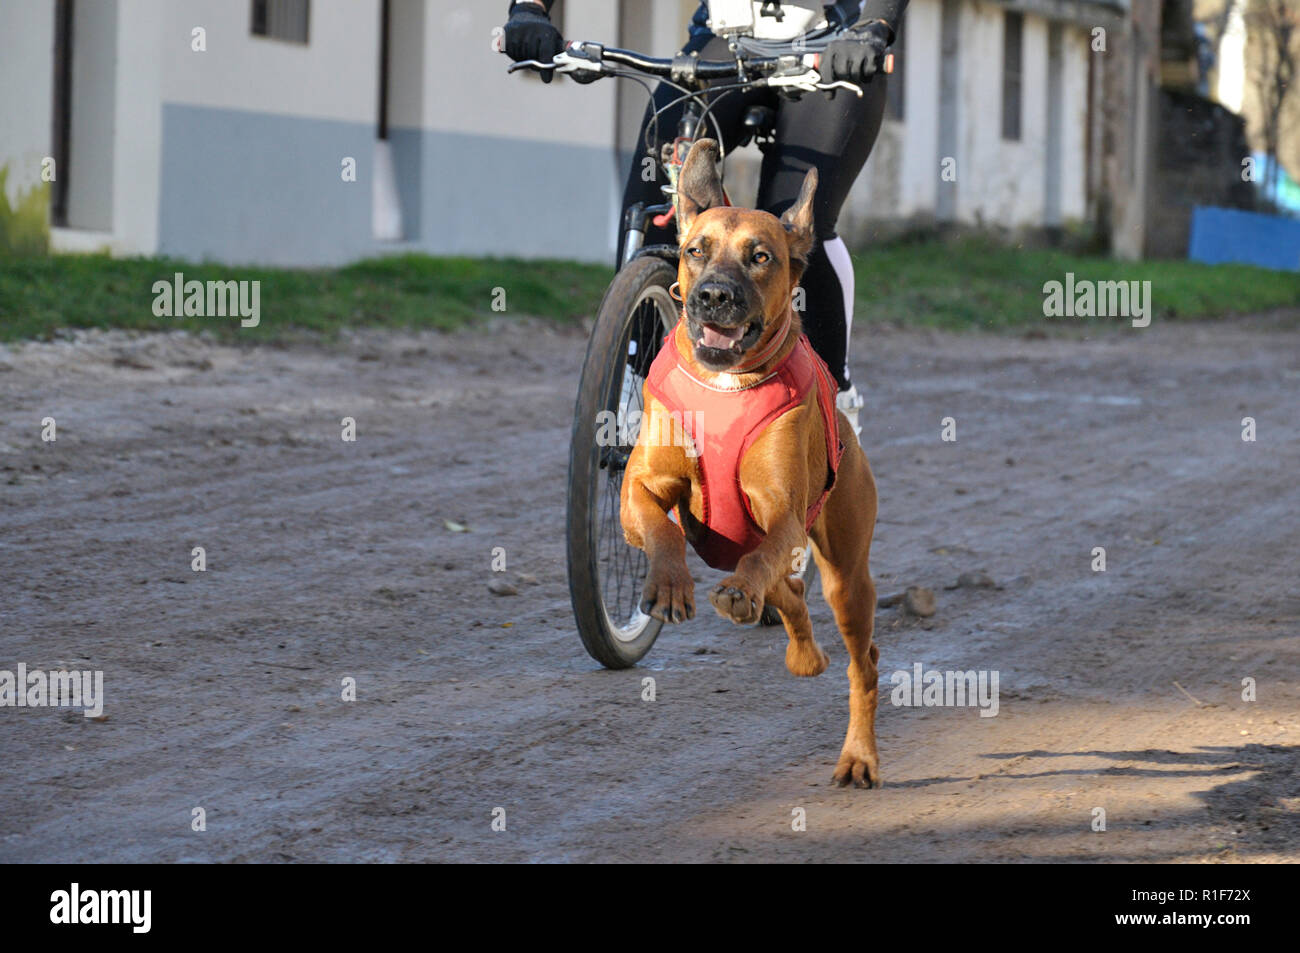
pixel 798 222
pixel 699 184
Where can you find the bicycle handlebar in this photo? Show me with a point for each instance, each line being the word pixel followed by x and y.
pixel 795 69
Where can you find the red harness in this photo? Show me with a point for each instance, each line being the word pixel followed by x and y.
pixel 722 425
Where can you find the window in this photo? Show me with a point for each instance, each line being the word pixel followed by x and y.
pixel 894 88
pixel 1012 55
pixel 281 19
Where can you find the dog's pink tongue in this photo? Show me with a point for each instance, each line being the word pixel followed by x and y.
pixel 720 338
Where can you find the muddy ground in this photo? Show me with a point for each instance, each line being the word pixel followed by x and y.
pixel 1119 690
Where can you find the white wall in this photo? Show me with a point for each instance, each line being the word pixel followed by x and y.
pixel 1000 181
pixel 919 167
pixel 26 90
pixel 334 76
pixel 95 64
pixel 1230 85
pixel 1074 196
pixel 141 60
pixel 467 90
pixel 113 175
pixel 137 131
pixel 407 54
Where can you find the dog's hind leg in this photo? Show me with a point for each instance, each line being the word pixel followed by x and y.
pixel 842 544
pixel 803 656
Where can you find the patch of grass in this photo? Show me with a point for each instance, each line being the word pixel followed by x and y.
pixel 960 284
pixel 973 284
pixel 40 295
pixel 24 225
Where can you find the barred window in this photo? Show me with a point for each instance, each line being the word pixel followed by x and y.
pixel 286 20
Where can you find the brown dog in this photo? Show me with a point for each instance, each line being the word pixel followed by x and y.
pixel 739 335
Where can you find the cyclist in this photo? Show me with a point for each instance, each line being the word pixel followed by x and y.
pixel 833 133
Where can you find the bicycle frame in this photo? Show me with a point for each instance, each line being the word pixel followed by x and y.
pixel 674 155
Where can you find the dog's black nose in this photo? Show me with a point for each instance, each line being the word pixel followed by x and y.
pixel 714 294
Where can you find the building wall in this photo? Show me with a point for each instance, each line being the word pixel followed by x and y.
pixel 1077 48
pixel 1005 177
pixel 333 76
pixel 137 130
pixel 236 153
pixel 255 132
pixel 506 164
pixel 999 182
pixel 90 140
pixel 918 139
pixel 26 89
pixel 901 177
pixel 113 171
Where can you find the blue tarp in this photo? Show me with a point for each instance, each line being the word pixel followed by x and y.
pixel 1230 235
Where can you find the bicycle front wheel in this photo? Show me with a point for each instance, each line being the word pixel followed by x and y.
pixel 605 573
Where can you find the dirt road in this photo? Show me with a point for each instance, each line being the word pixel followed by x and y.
pixel 1120 690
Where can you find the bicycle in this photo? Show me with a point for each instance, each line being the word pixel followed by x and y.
pixel 637 311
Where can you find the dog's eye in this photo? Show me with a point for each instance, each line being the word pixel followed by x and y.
pixel 761 258
pixel 695 251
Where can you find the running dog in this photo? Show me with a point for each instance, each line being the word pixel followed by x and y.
pixel 742 443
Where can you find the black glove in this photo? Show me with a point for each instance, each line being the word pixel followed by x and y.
pixel 857 54
pixel 530 35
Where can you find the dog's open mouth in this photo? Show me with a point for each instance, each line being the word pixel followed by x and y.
pixel 725 339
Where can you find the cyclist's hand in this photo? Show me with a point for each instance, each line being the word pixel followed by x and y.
pixel 530 35
pixel 857 54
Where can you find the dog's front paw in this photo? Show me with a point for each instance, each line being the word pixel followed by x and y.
pixel 669 595
pixel 858 765
pixel 737 600
pixel 805 658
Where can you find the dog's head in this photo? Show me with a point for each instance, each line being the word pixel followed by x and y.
pixel 739 267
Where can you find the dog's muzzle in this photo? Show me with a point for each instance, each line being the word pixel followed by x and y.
pixel 718 319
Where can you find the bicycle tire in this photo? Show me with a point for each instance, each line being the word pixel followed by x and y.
pixel 598 556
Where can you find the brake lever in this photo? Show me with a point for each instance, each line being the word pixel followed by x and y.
pixel 564 62
pixel 842 84
pixel 810 82
pixel 529 64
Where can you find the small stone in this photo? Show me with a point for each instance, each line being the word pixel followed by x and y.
pixel 499 587
pixel 919 601
pixel 974 580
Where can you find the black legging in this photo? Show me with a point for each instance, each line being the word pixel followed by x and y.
pixel 834 135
